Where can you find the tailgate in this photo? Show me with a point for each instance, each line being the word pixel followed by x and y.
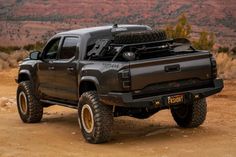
pixel 182 67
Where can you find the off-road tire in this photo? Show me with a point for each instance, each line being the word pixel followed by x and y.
pixel 102 117
pixel 34 110
pixel 194 116
pixel 139 37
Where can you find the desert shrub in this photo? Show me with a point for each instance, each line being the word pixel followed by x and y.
pixel 233 50
pixel 206 41
pixel 37 46
pixel 226 66
pixel 11 60
pixel 223 50
pixel 9 49
pixel 30 47
pixel 181 30
pixel 3 64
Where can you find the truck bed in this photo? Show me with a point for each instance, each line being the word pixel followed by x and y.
pixel 192 66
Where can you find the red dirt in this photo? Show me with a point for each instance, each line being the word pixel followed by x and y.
pixel 58 134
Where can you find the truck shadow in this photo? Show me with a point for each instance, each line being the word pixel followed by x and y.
pixel 127 129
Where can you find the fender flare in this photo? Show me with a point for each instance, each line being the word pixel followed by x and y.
pixel 92 79
pixel 26 72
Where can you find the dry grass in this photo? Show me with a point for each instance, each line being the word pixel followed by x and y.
pixel 7 103
pixel 226 65
pixel 11 60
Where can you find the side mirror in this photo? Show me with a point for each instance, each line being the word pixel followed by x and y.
pixel 35 55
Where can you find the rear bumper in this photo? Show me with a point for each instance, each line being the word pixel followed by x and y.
pixel 126 99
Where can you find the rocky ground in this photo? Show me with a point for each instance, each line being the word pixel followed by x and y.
pixel 58 134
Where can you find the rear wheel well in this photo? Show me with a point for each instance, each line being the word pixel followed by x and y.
pixel 86 86
pixel 23 77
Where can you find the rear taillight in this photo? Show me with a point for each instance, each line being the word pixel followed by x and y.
pixel 124 76
pixel 213 68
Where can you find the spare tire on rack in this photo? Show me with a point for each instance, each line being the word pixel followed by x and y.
pixel 139 36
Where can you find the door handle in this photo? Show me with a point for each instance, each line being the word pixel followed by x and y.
pixel 51 68
pixel 172 68
pixel 70 69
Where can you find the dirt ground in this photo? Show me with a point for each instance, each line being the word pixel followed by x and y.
pixel 58 134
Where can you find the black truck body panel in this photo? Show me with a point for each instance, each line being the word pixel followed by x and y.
pixel 150 102
pixel 139 83
pixel 190 66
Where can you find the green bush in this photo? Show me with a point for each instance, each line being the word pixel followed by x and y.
pixel 206 41
pixel 183 29
pixel 223 50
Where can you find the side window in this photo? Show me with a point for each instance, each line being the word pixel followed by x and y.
pixel 50 51
pixel 68 48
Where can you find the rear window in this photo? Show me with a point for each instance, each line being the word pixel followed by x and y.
pixel 68 48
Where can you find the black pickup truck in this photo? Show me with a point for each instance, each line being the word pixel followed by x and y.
pixel 119 70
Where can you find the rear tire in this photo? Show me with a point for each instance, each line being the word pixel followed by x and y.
pixel 29 107
pixel 95 119
pixel 190 115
